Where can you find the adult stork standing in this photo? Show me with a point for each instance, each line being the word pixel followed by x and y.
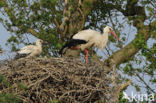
pixel 30 50
pixel 85 39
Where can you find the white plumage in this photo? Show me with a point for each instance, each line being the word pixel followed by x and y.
pixel 30 50
pixel 87 38
pixel 94 37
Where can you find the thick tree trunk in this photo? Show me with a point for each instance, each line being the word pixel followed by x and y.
pixel 76 19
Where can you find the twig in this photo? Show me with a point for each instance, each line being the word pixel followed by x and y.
pixel 65 79
pixel 83 18
pixel 123 86
pixel 145 83
pixel 57 26
pixel 108 51
pixel 39 81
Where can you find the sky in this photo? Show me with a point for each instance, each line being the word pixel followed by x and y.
pixel 4 35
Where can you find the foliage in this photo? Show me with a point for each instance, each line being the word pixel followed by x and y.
pixel 121 99
pixel 55 21
pixel 7 97
pixel 21 86
pixel 3 81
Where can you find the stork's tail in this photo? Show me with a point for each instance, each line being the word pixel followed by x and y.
pixel 61 50
pixel 72 43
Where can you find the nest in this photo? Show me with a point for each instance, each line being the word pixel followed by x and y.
pixel 65 80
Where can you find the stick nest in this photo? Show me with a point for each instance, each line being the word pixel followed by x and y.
pixel 65 80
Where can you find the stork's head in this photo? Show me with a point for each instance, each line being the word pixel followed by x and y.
pixel 39 42
pixel 108 29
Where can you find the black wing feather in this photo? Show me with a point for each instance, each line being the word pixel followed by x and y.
pixel 72 43
pixel 18 56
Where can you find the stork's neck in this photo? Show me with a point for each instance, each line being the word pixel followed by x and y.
pixel 104 39
pixel 105 34
pixel 39 44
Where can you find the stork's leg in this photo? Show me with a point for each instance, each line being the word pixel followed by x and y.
pixel 86 51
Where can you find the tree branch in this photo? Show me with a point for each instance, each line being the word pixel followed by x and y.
pixel 13 20
pixel 57 26
pixel 123 86
pixel 66 14
pixel 145 83
pixel 32 31
pixel 130 50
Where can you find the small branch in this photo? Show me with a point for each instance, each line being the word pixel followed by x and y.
pixel 33 32
pixel 145 83
pixel 64 22
pixel 57 26
pixel 39 81
pixel 123 86
pixel 111 20
pixel 66 2
pixel 80 2
pixel 83 17
pixel 117 92
pixel 70 30
pixel 13 20
pixel 66 14
pixel 107 51
pixel 65 30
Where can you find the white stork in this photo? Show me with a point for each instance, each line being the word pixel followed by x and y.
pixel 30 50
pixel 85 39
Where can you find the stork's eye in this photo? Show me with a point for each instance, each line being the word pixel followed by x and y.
pixel 110 29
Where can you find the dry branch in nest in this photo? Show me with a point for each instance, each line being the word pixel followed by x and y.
pixel 63 79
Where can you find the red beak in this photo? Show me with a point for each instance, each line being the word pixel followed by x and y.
pixel 115 35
